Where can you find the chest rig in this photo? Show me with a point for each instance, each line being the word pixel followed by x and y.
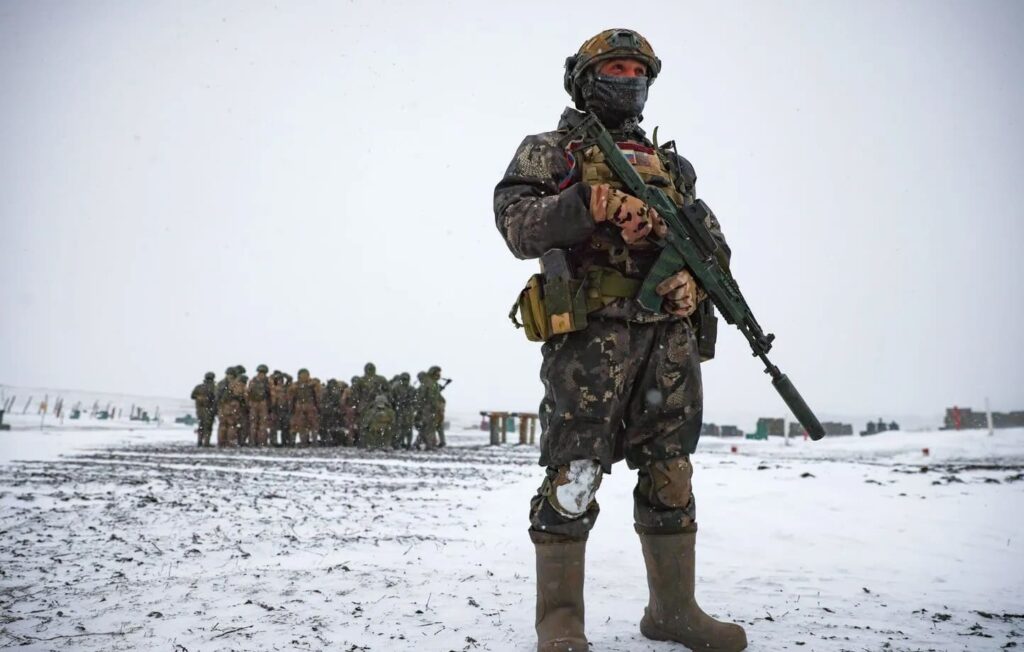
pixel 587 165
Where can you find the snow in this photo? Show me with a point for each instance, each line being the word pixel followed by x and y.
pixel 120 539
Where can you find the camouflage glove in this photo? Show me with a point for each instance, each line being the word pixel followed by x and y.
pixel 636 219
pixel 681 293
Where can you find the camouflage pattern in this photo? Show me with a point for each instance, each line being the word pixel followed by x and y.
pixel 628 386
pixel 331 426
pixel 258 396
pixel 230 412
pixel 377 424
pixel 403 398
pixel 305 409
pixel 205 397
pixel 280 413
pixel 429 404
pixel 610 44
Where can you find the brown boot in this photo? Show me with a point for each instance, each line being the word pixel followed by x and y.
pixel 559 594
pixel 673 614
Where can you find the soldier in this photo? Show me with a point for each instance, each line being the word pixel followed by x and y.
pixel 378 424
pixel 355 391
pixel 205 396
pixel 219 392
pixel 435 373
pixel 403 398
pixel 627 384
pixel 231 411
pixel 282 409
pixel 428 409
pixel 345 401
pixel 259 407
pixel 305 408
pixel 331 414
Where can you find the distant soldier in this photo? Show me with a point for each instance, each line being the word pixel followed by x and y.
pixel 442 383
pixel 244 436
pixel 219 393
pixel 281 415
pixel 259 407
pixel 205 397
pixel 355 391
pixel 348 415
pixel 403 398
pixel 429 405
pixel 231 411
pixel 378 423
pixel 305 408
pixel 331 427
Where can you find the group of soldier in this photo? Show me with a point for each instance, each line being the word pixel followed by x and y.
pixel 273 409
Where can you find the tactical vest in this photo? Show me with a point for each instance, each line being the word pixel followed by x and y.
pixel 588 165
pixel 259 390
pixel 305 392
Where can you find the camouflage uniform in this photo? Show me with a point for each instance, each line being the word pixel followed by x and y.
pixel 331 414
pixel 365 389
pixel 231 410
pixel 428 409
pixel 305 408
pixel 378 424
pixel 259 407
pixel 628 384
pixel 205 397
pixel 403 398
pixel 280 417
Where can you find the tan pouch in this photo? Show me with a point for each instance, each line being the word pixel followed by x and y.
pixel 530 306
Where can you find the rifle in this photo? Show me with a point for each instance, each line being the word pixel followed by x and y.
pixel 447 381
pixel 690 244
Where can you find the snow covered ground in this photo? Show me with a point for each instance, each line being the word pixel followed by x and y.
pixel 135 540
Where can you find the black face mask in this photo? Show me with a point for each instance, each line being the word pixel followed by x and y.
pixel 615 99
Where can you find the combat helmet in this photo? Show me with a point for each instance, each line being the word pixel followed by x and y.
pixel 262 369
pixel 370 369
pixel 609 44
pixel 240 370
pixel 434 372
pixel 209 375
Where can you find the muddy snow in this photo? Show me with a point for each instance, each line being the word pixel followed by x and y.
pixel 136 540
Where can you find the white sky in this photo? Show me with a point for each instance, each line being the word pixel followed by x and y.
pixel 185 186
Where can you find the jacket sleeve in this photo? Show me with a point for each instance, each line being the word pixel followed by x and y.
pixel 530 210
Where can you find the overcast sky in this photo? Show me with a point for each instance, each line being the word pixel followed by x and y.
pixel 189 185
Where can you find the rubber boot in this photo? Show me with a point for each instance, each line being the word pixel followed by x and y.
pixel 559 594
pixel 673 613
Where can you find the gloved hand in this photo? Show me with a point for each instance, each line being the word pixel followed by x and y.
pixel 636 219
pixel 681 293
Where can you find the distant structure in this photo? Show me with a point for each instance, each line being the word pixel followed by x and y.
pixel 731 431
pixel 710 430
pixel 832 429
pixel 880 426
pixel 768 427
pixel 958 418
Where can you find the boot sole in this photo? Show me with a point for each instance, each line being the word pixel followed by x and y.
pixel 655 633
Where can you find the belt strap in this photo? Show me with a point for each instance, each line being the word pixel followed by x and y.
pixel 605 284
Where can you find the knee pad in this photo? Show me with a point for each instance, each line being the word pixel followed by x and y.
pixel 573 487
pixel 670 482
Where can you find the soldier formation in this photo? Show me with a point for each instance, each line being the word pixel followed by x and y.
pixel 275 409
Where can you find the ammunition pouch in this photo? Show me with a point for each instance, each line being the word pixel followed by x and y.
pixel 549 307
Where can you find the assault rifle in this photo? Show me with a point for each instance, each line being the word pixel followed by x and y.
pixel 689 244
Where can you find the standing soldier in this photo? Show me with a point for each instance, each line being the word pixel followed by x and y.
pixel 331 415
pixel 378 424
pixel 305 408
pixel 219 393
pixel 403 398
pixel 428 408
pixel 259 407
pixel 231 411
pixel 627 383
pixel 435 373
pixel 355 391
pixel 205 396
pixel 244 436
pixel 347 414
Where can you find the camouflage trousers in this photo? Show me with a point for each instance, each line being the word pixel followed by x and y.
pixel 259 423
pixel 229 428
pixel 205 429
pixel 620 390
pixel 305 423
pixel 280 422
